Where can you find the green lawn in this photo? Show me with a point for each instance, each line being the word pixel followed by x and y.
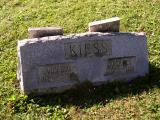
pixel 136 100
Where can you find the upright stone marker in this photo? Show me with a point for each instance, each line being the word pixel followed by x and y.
pixel 38 32
pixel 108 25
pixel 58 63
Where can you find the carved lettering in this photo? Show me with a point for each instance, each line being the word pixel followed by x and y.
pixel 120 65
pixel 55 72
pixel 73 51
pixel 97 48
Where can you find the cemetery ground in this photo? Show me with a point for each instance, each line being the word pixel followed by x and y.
pixel 138 99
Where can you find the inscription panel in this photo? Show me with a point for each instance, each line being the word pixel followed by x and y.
pixel 121 65
pixel 88 49
pixel 55 72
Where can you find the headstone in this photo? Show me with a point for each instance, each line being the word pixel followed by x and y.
pixel 108 25
pixel 58 63
pixel 37 32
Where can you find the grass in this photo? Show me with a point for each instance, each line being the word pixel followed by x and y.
pixel 139 99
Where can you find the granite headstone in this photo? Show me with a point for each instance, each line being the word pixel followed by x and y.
pixel 37 32
pixel 58 63
pixel 107 25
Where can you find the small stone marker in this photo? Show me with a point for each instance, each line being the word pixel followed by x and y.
pixel 38 32
pixel 108 25
pixel 58 63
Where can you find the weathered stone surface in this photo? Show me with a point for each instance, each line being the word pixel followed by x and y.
pixel 57 63
pixel 108 25
pixel 38 32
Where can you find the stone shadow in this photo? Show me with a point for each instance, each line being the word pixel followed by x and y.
pixel 87 95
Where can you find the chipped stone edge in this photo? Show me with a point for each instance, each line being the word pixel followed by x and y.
pixel 74 36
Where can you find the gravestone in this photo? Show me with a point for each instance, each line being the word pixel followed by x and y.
pixel 58 63
pixel 108 25
pixel 38 32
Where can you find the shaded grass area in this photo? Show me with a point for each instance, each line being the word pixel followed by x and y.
pixel 85 96
pixel 139 99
